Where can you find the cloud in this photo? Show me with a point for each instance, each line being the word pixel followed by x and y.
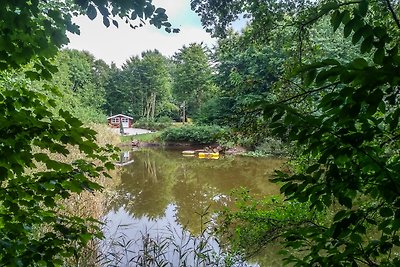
pixel 118 44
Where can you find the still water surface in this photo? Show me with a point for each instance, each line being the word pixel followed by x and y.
pixel 161 194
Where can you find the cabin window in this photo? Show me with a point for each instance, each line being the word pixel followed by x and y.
pixel 115 120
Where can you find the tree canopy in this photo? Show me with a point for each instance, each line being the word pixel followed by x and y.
pixel 192 77
pixel 348 137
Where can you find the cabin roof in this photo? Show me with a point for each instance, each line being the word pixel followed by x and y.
pixel 120 115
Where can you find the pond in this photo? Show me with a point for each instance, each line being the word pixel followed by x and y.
pixel 164 196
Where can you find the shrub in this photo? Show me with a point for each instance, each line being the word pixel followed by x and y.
pixel 199 134
pixel 270 146
pixel 152 125
pixel 256 222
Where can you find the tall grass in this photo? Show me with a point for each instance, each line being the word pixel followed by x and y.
pixel 86 204
pixel 170 247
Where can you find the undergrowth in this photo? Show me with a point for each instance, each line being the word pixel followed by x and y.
pixel 255 223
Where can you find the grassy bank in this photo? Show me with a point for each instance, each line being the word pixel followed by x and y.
pixel 85 204
pixel 92 204
pixel 148 137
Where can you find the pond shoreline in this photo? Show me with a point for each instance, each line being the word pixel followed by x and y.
pixel 237 150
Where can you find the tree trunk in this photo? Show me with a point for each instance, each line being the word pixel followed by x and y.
pixel 153 108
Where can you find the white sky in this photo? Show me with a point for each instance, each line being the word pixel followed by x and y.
pixel 118 44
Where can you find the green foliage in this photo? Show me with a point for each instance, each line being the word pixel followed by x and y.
pixel 256 222
pixel 352 139
pixel 33 228
pixel 197 134
pixel 269 146
pixel 153 125
pixel 192 75
pixel 34 132
pixel 341 111
pixel 142 88
pixel 147 137
pixel 41 27
pixel 81 79
pixel 216 110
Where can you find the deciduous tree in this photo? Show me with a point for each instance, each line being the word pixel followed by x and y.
pixel 192 77
pixel 33 228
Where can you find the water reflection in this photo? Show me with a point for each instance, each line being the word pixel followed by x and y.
pixel 160 186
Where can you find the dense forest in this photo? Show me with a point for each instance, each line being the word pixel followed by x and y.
pixel 320 77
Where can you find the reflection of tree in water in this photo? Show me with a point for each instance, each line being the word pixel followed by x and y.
pixel 158 178
pixel 145 188
pixel 200 182
pixel 192 197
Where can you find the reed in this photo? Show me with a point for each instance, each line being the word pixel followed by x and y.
pixel 85 204
pixel 171 247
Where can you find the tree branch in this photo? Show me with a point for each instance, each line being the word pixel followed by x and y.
pixel 308 92
pixel 394 15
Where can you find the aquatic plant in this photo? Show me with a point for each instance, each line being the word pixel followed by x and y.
pixel 172 247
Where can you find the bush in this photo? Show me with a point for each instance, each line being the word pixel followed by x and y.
pixel 256 222
pixel 152 125
pixel 198 134
pixel 270 146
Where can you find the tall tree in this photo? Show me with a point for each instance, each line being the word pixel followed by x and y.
pixel 87 77
pixel 155 82
pixel 192 77
pixel 116 93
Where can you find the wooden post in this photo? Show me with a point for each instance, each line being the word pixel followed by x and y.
pixel 121 128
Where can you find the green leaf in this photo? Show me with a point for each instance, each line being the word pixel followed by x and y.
pixel 325 75
pixel 379 32
pixel 160 10
pixel 346 201
pixel 357 36
pixel 336 19
pixel 310 76
pixel 91 12
pixel 330 6
pixel 394 122
pixel 340 215
pixel 367 45
pixel 386 212
pixel 379 56
pixel 106 21
pixel 348 76
pixel 312 168
pixel 346 16
pixel 349 27
pixel 115 23
pixel 375 97
pixel 359 64
pixel 356 238
pixel 363 8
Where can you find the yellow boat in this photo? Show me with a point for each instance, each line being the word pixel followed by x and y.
pixel 211 155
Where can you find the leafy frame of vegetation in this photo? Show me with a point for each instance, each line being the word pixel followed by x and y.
pixel 343 115
pixel 34 230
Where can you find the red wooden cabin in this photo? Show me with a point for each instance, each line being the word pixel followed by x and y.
pixel 114 121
